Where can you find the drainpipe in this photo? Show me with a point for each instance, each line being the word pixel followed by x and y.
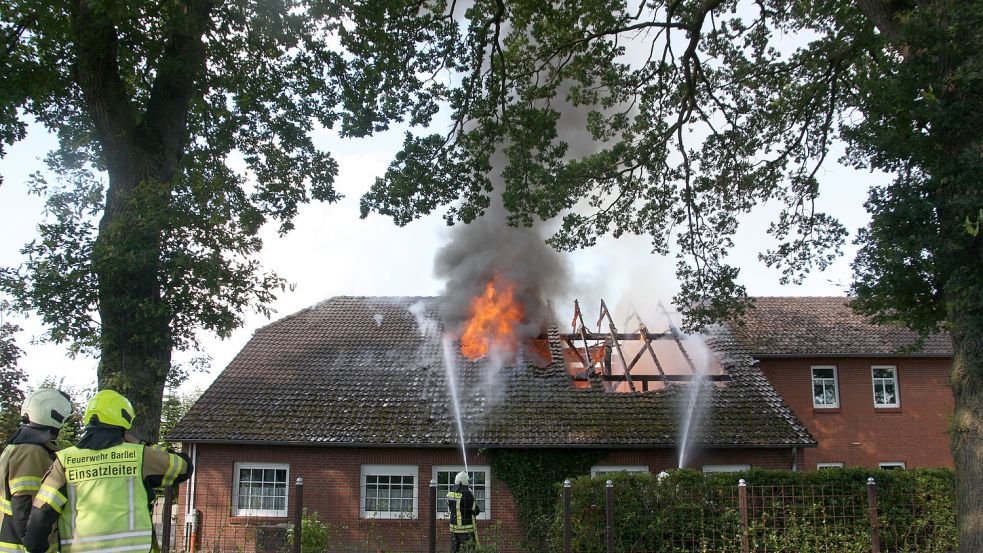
pixel 795 459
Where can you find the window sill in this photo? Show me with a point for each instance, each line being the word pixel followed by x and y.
pixel 247 520
pixel 887 409
pixel 826 410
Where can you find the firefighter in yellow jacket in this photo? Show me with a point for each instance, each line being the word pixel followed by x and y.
pixel 98 489
pixel 25 460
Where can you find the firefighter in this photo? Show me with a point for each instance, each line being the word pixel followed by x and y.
pixel 97 490
pixel 28 455
pixel 463 509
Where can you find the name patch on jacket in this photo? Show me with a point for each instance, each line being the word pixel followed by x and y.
pixel 105 464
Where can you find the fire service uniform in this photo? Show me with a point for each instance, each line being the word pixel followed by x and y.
pixel 98 490
pixel 463 510
pixel 24 461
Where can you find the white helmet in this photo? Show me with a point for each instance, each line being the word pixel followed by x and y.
pixel 462 478
pixel 47 407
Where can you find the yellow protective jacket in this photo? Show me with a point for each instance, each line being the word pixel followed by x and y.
pixel 99 497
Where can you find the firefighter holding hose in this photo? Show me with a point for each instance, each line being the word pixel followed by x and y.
pixel 463 510
pixel 28 455
pixel 99 490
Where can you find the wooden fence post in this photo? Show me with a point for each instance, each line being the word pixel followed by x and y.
pixel 742 498
pixel 567 523
pixel 432 546
pixel 875 539
pixel 165 520
pixel 298 514
pixel 609 509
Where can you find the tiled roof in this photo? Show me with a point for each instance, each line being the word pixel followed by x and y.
pixel 826 326
pixel 358 371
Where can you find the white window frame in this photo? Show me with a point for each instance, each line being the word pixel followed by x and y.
pixel 236 511
pixel 389 470
pixel 894 378
pixel 836 386
pixel 725 468
pixel 829 466
pixel 893 465
pixel 485 513
pixel 601 470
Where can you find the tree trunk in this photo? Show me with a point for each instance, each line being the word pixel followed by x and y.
pixel 136 334
pixel 966 320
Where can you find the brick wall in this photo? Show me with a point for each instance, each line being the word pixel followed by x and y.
pixel 857 433
pixel 331 487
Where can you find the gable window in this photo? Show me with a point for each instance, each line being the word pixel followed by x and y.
pixel 825 392
pixel 480 485
pixel 601 470
pixel 260 490
pixel 885 379
pixel 389 491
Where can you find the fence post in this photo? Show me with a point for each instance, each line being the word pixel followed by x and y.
pixel 165 520
pixel 433 517
pixel 742 498
pixel 567 524
pixel 875 539
pixel 298 514
pixel 609 509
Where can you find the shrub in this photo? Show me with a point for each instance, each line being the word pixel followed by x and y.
pixel 807 512
pixel 315 535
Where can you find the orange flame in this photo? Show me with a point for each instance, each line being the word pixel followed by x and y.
pixel 494 318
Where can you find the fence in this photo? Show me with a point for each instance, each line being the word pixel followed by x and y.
pixel 614 516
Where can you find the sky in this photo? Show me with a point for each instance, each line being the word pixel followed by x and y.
pixel 333 252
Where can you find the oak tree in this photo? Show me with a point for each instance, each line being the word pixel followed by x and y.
pixel 696 111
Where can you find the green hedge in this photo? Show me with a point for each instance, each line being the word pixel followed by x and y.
pixel 806 512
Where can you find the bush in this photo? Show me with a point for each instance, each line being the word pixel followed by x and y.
pixel 315 535
pixel 807 512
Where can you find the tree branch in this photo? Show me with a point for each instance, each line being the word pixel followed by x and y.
pixel 164 127
pixel 884 15
pixel 97 74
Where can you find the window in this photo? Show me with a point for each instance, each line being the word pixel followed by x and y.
pixel 829 465
pixel 389 491
pixel 260 490
pixel 726 468
pixel 825 392
pixel 480 485
pixel 601 470
pixel 885 386
pixel 893 465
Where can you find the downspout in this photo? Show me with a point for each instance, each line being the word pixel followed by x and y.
pixel 795 459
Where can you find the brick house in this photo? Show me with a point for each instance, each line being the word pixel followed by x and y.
pixel 866 394
pixel 351 395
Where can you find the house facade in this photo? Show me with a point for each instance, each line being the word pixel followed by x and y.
pixel 870 395
pixel 352 396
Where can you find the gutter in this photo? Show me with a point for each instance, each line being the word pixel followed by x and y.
pixel 390 445
pixel 853 355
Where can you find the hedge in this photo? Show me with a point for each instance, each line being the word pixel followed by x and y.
pixel 816 511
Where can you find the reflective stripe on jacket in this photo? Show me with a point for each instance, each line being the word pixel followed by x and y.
pixel 106 508
pixel 21 468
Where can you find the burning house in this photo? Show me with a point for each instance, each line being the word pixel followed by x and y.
pixel 370 398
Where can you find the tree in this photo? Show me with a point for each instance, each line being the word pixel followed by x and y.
pixel 695 111
pixel 12 378
pixel 159 98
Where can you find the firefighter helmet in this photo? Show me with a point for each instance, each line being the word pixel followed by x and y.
pixel 109 407
pixel 47 407
pixel 462 478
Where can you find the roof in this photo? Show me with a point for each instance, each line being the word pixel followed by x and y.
pixel 358 371
pixel 812 326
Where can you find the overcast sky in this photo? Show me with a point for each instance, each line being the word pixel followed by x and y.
pixel 333 252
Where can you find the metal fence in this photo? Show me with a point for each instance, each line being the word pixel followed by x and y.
pixel 689 518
